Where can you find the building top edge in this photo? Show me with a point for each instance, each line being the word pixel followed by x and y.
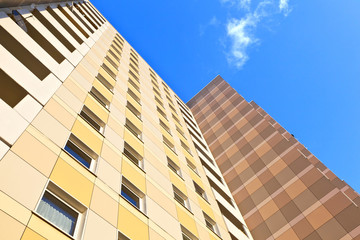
pixel 18 3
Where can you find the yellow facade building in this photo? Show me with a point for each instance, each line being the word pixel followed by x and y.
pixel 93 143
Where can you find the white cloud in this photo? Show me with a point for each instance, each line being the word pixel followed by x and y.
pixel 242 31
pixel 284 7
pixel 245 4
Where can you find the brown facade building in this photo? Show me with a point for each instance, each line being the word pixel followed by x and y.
pixel 282 190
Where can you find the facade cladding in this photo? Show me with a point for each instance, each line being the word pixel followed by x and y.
pixel 282 190
pixel 93 143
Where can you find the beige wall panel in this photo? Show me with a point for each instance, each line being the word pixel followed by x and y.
pixel 104 206
pixel 35 153
pixel 114 138
pixel 75 89
pixel 60 113
pixel 10 229
pixel 163 219
pixel 112 155
pixel 21 181
pixel 3 149
pixel 50 127
pixel 159 180
pixel 66 96
pixel 116 126
pixel 153 235
pixel 97 228
pixel 14 209
pixel 157 163
pixel 109 175
pixel 83 76
pixel 159 197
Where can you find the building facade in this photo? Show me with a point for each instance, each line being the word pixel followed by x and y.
pixel 93 143
pixel 282 190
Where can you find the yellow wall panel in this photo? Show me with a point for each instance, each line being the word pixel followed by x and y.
pixel 97 108
pixel 197 179
pixel 172 156
pixel 182 138
pixel 118 55
pixel 206 207
pixel 14 209
pixel 134 142
pixel 136 74
pixel 103 90
pixel 109 65
pixel 112 58
pixel 188 155
pixel 167 135
pixel 213 236
pixel 178 182
pixel 72 182
pixel 135 120
pixel 134 90
pixel 109 78
pixel 88 135
pixel 133 102
pixel 45 229
pixel 164 120
pixel 133 174
pixel 186 219
pixel 31 235
pixel 130 224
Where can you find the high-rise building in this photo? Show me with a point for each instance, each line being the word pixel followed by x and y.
pixel 282 190
pixel 93 143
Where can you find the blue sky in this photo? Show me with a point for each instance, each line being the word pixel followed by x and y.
pixel 298 59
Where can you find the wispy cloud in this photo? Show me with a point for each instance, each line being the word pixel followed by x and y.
pixel 284 7
pixel 244 4
pixel 242 31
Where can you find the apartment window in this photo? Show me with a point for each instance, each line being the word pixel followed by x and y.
pixel 176 119
pixel 159 101
pixel 175 168
pixel 114 64
pixel 92 119
pixel 157 92
pixel 180 131
pixel 99 97
pixel 162 124
pixel 109 71
pixel 133 110
pixel 61 210
pixel 191 166
pixel 135 70
pixel 172 108
pixel 105 82
pixel 133 74
pixel 133 155
pixel 185 147
pixel 187 235
pixel 80 152
pixel 133 129
pixel 181 198
pixel 134 96
pixel 161 112
pixel 132 194
pixel 211 224
pixel 123 237
pixel 134 84
pixel 168 143
pixel 200 191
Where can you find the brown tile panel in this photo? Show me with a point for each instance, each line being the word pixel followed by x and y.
pixel 282 190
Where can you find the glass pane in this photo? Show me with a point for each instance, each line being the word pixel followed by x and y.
pixel 57 213
pixel 78 154
pixel 130 196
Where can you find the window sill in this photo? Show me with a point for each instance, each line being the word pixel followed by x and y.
pixel 177 202
pixel 133 206
pixel 214 232
pixel 77 161
pixel 53 225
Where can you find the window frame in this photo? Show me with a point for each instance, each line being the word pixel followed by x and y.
pixel 83 150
